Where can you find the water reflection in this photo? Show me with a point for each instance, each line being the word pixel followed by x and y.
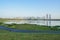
pixel 38 22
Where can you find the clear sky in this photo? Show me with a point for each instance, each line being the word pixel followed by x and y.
pixel 21 8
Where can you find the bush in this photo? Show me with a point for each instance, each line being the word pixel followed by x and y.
pixel 1 23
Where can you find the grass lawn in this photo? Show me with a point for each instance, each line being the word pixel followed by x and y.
pixel 7 35
pixel 28 27
pixel 28 36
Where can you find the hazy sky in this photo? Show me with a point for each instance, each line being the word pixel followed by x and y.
pixel 21 8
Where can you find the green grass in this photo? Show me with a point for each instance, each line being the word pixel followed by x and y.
pixel 3 31
pixel 28 27
pixel 28 36
pixel 7 35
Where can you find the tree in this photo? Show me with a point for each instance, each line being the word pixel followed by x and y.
pixel 1 23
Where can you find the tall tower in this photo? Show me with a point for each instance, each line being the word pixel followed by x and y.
pixel 47 18
pixel 48 22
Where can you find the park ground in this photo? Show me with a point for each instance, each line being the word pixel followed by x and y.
pixel 7 35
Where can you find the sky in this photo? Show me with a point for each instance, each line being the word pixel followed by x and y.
pixel 27 8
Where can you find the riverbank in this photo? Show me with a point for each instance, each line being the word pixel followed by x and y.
pixel 27 26
pixel 30 26
pixel 7 35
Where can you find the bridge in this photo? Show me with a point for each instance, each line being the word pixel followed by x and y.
pixel 47 18
pixel 35 19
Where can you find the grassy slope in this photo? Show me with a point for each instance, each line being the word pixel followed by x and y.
pixel 28 36
pixel 6 35
pixel 29 27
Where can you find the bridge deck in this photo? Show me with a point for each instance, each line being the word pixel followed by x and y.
pixel 38 19
pixel 35 19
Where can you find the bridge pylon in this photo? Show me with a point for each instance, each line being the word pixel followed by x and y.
pixel 48 16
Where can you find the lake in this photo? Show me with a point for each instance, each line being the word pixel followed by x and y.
pixel 38 22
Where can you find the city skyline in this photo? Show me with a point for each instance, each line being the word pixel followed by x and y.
pixel 27 8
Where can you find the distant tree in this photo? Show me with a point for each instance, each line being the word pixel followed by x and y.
pixel 13 23
pixel 55 28
pixel 1 23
